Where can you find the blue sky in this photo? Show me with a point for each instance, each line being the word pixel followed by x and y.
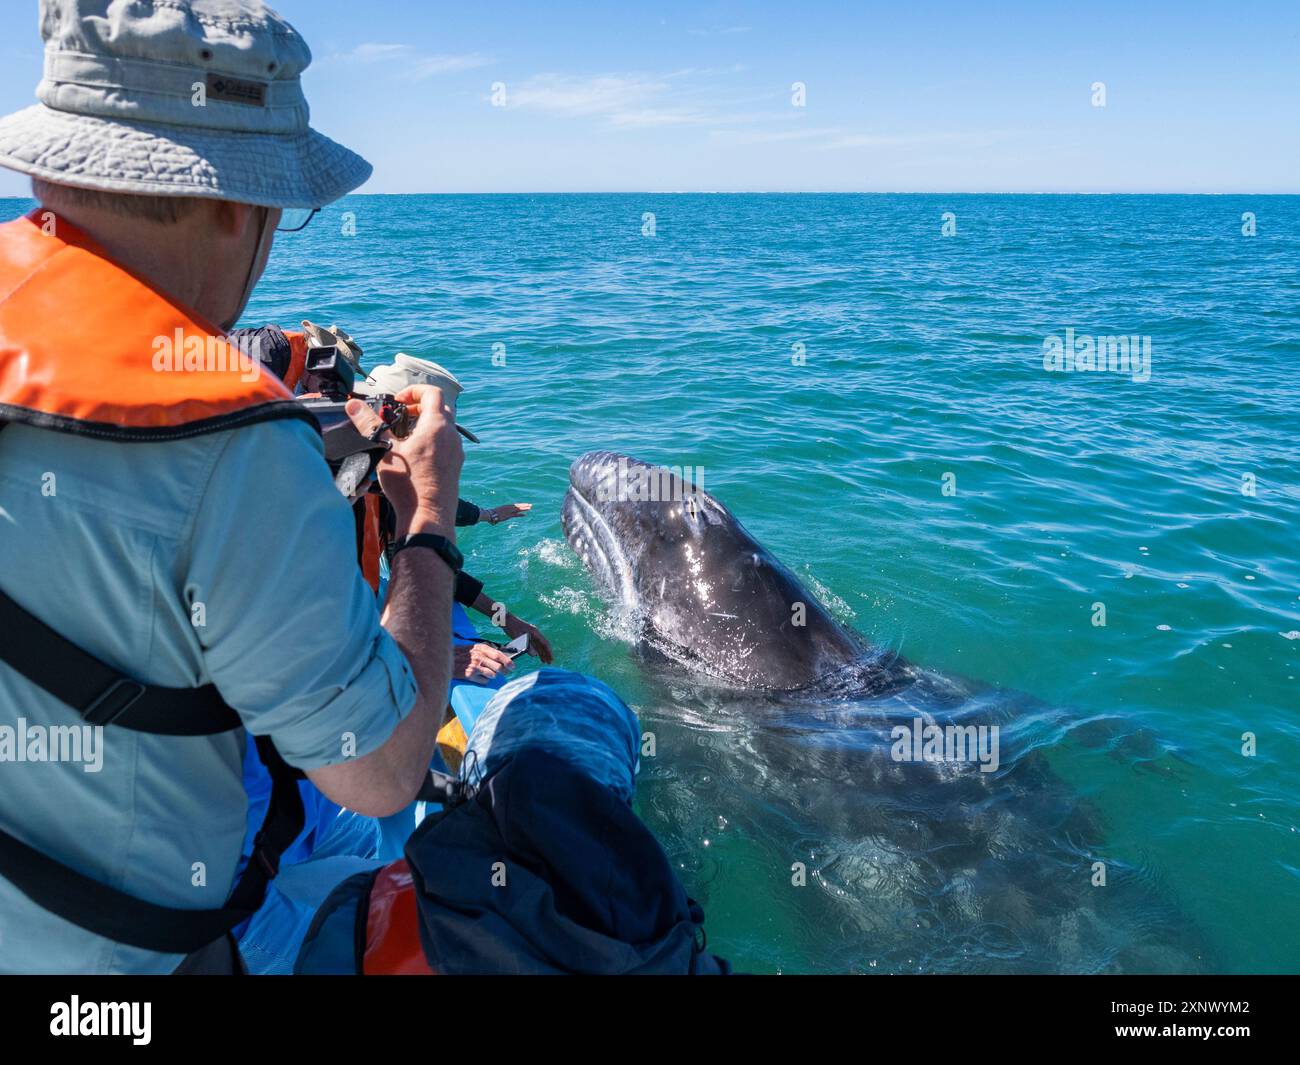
pixel 908 95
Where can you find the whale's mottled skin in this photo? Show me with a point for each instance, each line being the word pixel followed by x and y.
pixel 707 592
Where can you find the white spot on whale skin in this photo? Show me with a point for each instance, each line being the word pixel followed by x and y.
pixel 1294 634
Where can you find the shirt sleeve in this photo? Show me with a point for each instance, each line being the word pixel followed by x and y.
pixel 467 589
pixel 269 345
pixel 466 513
pixel 290 631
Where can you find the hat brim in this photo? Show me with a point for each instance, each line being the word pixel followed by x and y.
pixel 297 170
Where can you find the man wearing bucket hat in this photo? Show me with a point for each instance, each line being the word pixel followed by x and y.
pixel 141 463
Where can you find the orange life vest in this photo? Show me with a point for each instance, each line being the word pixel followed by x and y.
pixel 297 357
pixel 87 347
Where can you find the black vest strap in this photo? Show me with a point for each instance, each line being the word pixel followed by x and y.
pixel 99 693
pixel 103 696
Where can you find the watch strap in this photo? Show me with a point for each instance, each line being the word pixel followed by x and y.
pixel 440 545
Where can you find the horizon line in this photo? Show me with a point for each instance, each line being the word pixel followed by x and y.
pixel 781 192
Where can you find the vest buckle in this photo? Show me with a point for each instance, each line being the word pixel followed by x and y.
pixel 113 701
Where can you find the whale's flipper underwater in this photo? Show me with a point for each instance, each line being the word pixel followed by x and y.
pixel 924 806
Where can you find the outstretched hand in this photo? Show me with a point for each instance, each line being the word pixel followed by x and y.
pixel 496 515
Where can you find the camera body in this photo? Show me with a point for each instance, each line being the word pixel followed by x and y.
pixel 328 380
pixel 329 373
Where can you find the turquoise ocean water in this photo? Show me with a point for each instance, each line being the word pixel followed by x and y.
pixel 832 362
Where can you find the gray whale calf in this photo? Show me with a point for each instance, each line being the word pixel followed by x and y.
pixel 708 594
pixel 966 864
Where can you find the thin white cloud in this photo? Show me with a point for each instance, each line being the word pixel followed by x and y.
pixel 603 95
pixel 704 72
pixel 648 117
pixel 374 51
pixel 776 136
pixel 692 97
pixel 835 138
pixel 431 65
pixel 626 101
pixel 410 63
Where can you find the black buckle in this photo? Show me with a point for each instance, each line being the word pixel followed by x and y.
pixel 445 789
pixel 105 709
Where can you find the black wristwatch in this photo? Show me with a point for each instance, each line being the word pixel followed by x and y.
pixel 444 548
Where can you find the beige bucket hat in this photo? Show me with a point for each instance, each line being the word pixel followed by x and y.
pixel 177 98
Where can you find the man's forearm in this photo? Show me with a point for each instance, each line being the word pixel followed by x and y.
pixel 418 616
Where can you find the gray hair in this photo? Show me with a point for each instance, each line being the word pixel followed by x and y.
pixel 165 210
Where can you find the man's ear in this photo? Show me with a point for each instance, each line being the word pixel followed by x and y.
pixel 235 220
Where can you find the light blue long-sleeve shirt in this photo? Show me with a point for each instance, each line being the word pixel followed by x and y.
pixel 228 558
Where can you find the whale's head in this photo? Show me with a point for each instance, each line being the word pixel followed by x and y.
pixel 705 592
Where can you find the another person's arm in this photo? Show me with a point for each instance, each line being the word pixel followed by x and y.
pixel 469 514
pixel 469 593
pixel 514 626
